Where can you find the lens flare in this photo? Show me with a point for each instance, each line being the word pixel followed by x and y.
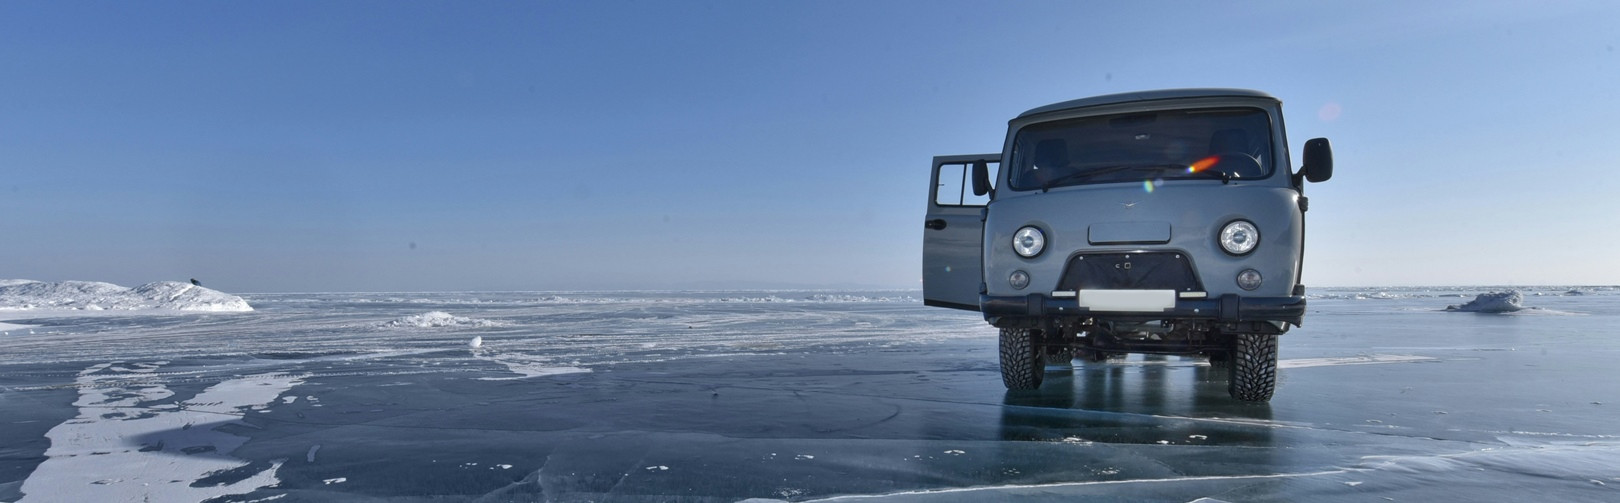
pixel 1329 112
pixel 1203 164
pixel 1147 185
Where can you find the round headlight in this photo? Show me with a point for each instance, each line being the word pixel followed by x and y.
pixel 1029 242
pixel 1239 237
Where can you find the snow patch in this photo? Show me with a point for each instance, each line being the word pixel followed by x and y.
pixel 438 319
pixel 1492 302
pixel 6 328
pixel 124 447
pixel 525 366
pixel 530 370
pixel 27 295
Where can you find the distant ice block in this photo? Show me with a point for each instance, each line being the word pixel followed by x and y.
pixel 1492 302
pixel 476 342
pixel 96 296
pixel 438 319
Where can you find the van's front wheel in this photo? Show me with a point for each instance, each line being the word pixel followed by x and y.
pixel 1023 360
pixel 1254 368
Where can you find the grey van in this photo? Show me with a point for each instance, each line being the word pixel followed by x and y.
pixel 1160 222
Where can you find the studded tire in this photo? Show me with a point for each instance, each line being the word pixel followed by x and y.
pixel 1254 368
pixel 1023 361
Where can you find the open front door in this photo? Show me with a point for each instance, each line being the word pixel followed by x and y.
pixel 953 233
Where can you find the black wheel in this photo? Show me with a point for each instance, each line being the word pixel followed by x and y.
pixel 1254 368
pixel 1023 362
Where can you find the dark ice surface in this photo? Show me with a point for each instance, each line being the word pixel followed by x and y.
pixel 798 396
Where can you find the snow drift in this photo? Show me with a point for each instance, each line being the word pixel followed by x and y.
pixel 29 295
pixel 1493 302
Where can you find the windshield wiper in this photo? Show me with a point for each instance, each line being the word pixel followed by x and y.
pixel 1103 171
pixel 1226 178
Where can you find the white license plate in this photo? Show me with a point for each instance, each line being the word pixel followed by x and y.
pixel 1145 301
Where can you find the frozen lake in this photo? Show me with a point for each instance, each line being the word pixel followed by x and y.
pixel 644 396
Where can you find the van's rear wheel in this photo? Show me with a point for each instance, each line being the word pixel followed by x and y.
pixel 1023 361
pixel 1254 368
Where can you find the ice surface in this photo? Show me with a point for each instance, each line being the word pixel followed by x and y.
pixel 1492 302
pixel 794 395
pixel 1461 292
pixel 1295 363
pixel 26 295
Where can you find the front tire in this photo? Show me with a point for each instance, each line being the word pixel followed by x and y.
pixel 1023 361
pixel 1254 368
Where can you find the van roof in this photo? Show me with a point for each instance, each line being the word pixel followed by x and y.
pixel 1164 94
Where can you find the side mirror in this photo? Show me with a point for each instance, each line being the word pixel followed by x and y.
pixel 1318 160
pixel 981 178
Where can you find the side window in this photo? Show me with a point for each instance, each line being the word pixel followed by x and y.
pixel 956 185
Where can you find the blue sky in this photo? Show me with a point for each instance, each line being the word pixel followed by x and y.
pixel 316 146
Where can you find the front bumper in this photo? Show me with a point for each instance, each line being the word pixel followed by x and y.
pixel 1226 308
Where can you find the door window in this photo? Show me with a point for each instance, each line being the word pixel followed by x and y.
pixel 955 186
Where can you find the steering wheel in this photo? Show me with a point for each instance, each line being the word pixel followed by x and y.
pixel 1238 165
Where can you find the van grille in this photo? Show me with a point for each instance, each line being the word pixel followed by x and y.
pixel 1130 271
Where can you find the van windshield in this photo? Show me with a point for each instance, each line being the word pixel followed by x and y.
pixel 1215 143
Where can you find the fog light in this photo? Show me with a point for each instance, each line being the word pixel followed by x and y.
pixel 1018 280
pixel 1249 279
